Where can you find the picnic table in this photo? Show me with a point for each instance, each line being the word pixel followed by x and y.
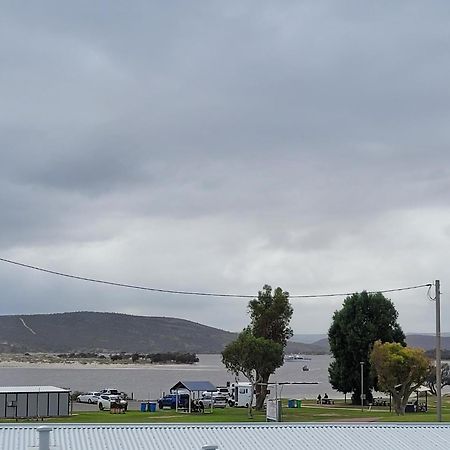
pixel 379 401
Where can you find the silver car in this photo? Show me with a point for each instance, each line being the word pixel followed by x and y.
pixel 217 399
pixel 89 397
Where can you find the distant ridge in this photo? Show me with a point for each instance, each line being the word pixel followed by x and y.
pixel 114 332
pixel 308 338
pixel 424 341
pixel 427 342
pixel 107 332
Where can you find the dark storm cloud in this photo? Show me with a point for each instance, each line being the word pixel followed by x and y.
pixel 222 145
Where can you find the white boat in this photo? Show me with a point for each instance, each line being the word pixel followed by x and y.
pixel 295 357
pixel 292 357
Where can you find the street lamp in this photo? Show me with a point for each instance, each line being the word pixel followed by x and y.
pixel 362 385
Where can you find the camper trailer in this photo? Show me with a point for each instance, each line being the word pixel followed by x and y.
pixel 240 394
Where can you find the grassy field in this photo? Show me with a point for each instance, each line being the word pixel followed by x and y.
pixel 309 412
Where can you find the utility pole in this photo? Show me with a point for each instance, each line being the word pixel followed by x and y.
pixel 438 351
pixel 362 385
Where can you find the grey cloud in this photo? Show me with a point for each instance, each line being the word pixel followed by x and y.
pixel 284 133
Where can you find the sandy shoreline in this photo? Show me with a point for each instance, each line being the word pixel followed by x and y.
pixel 74 365
pixel 49 362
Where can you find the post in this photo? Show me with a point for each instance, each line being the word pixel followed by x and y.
pixel 362 385
pixel 438 352
pixel 44 437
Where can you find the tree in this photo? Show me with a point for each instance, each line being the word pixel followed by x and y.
pixel 250 356
pixel 270 317
pixel 431 378
pixel 363 319
pixel 400 371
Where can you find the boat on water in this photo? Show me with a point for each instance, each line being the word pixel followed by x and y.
pixel 305 368
pixel 296 357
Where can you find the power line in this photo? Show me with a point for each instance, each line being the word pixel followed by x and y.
pixel 124 285
pixel 382 291
pixel 204 294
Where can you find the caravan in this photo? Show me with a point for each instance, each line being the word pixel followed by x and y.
pixel 241 394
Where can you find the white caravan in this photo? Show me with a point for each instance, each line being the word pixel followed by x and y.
pixel 240 394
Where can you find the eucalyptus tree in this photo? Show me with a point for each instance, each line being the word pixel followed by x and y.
pixel 270 315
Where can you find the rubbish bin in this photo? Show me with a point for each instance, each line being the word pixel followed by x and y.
pixel 143 407
pixel 299 403
pixel 152 406
pixel 292 403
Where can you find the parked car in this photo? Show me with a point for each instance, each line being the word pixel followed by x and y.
pixel 218 400
pixel 89 397
pixel 110 392
pixel 170 401
pixel 223 391
pixel 105 401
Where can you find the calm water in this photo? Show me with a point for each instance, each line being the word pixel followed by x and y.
pixel 151 381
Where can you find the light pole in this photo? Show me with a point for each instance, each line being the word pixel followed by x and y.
pixel 438 351
pixel 362 385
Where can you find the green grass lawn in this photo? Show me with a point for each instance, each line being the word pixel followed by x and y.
pixel 309 412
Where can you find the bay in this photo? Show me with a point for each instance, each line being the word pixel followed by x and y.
pixel 151 381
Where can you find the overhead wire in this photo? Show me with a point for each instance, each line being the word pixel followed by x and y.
pixel 197 293
pixel 432 299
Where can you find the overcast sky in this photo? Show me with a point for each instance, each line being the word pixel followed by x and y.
pixel 223 145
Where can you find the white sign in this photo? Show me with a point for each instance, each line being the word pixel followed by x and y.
pixel 273 410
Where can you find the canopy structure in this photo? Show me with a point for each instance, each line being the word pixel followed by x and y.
pixel 194 388
pixel 421 407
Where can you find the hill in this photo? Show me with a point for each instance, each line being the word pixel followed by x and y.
pixel 308 338
pixel 427 342
pixel 113 332
pixel 107 332
pixel 424 341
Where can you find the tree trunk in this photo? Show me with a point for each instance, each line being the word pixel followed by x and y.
pixel 432 387
pixel 397 404
pixel 250 411
pixel 261 391
pixel 400 402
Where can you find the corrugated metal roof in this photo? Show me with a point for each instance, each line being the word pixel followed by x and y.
pixel 14 389
pixel 195 386
pixel 231 436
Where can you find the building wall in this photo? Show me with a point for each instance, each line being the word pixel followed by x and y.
pixel 34 404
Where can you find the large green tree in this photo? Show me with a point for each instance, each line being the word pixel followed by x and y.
pixel 400 371
pixel 270 315
pixel 250 355
pixel 363 319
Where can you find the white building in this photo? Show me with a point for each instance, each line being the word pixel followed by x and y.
pixel 33 402
pixel 225 436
